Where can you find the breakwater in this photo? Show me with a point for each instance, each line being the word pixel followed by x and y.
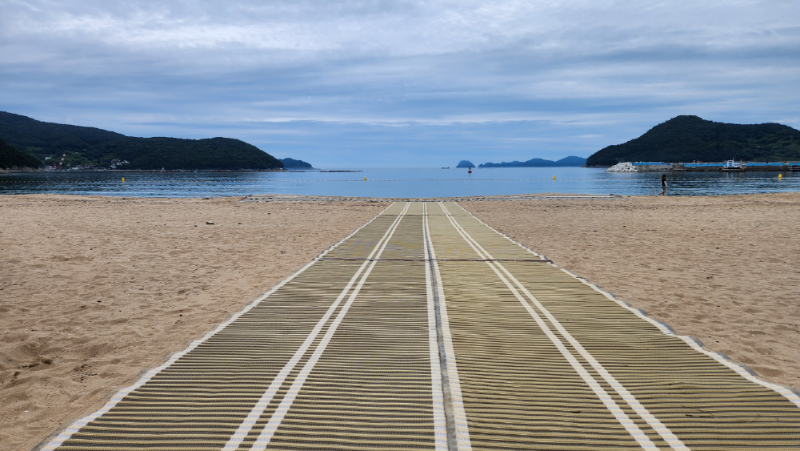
pixel 716 167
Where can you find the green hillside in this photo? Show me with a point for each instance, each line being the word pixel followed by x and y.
pixel 291 163
pixel 11 157
pixel 88 145
pixel 689 138
pixel 538 163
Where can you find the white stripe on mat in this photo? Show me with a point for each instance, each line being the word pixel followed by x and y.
pixel 286 403
pixel 439 420
pixel 612 406
pixel 463 441
pixel 793 397
pixel 118 396
pixel 248 423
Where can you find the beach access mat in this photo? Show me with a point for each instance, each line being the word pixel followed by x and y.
pixel 427 329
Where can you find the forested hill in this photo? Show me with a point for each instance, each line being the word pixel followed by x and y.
pixel 538 163
pixel 10 157
pixel 291 163
pixel 689 138
pixel 88 145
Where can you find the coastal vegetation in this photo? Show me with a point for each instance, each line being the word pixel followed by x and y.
pixel 88 146
pixel 570 161
pixel 11 157
pixel 691 138
pixel 291 163
pixel 465 164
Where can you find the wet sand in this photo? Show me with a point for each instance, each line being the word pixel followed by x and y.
pixel 724 269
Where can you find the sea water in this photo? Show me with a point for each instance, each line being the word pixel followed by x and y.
pixel 395 183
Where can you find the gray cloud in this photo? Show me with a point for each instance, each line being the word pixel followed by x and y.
pixel 408 83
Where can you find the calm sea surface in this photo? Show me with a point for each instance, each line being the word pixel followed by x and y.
pixel 394 183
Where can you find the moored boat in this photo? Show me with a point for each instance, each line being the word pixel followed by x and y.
pixel 732 166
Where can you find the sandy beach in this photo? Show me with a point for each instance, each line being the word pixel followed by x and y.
pixel 724 269
pixel 95 290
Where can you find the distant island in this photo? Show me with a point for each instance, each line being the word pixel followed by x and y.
pixel 690 138
pixel 571 161
pixel 14 160
pixel 465 164
pixel 89 148
pixel 291 163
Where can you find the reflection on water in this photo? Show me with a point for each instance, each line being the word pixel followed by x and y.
pixel 395 183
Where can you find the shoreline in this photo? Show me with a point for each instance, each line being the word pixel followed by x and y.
pixel 330 198
pixel 716 169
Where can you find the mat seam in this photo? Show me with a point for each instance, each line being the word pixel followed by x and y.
pixel 443 416
pixel 461 435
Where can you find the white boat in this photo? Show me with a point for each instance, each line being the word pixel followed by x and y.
pixel 732 165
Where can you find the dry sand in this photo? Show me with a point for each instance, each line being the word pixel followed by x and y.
pixel 724 269
pixel 162 275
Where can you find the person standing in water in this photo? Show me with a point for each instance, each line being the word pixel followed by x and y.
pixel 663 184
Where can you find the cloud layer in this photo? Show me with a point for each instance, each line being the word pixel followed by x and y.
pixel 394 83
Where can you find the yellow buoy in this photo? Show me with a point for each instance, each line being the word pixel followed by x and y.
pixel 554 177
pixel 123 179
pixel 365 179
pixel 780 176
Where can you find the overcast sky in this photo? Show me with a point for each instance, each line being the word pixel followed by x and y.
pixel 400 83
